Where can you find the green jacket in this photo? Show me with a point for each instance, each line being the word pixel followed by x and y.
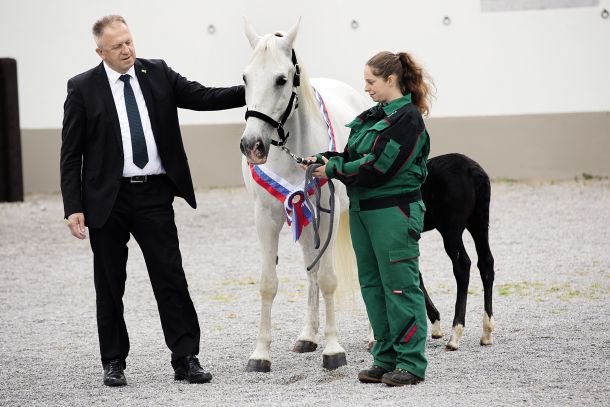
pixel 386 152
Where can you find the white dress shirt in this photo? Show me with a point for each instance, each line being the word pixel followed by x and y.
pixel 117 86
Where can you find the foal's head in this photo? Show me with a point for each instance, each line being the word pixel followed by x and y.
pixel 269 81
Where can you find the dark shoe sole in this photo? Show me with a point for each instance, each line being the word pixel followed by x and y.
pixel 203 379
pixel 391 382
pixel 115 382
pixel 368 379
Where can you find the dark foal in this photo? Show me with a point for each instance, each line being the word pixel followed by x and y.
pixel 456 194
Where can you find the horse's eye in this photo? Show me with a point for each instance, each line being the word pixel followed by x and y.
pixel 280 81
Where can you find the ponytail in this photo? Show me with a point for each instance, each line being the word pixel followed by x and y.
pixel 411 77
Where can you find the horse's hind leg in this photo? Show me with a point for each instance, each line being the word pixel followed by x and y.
pixel 454 246
pixel 485 264
pixel 433 315
pixel 260 360
pixel 307 342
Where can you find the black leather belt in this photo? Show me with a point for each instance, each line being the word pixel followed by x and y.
pixel 140 179
pixel 389 201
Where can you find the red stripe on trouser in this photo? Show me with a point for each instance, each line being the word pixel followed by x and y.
pixel 410 334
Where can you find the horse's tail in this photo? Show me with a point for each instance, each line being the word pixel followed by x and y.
pixel 344 262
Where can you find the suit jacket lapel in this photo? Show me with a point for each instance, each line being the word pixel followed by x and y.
pixel 149 98
pixel 106 94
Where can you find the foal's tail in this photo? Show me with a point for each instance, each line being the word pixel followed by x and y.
pixel 344 263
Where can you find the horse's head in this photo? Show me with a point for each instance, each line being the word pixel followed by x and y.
pixel 270 81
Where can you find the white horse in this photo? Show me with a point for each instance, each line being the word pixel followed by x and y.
pixel 281 103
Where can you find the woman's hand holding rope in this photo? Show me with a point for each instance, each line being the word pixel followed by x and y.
pixel 319 172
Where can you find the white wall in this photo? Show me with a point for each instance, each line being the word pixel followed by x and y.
pixel 500 63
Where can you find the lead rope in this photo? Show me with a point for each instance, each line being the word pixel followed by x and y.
pixel 315 184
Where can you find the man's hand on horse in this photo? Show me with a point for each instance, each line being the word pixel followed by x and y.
pixel 76 223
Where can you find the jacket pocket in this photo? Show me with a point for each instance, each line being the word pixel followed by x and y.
pixel 387 158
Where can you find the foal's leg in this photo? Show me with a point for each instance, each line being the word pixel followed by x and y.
pixel 433 315
pixel 268 230
pixel 485 264
pixel 454 246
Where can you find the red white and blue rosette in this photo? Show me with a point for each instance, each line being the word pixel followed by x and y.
pixel 298 212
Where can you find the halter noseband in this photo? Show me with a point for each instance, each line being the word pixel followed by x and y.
pixel 279 125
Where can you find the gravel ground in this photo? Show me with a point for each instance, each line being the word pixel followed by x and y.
pixel 551 303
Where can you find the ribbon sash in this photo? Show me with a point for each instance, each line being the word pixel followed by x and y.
pixel 298 213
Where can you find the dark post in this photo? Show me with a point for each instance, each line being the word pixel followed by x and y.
pixel 11 175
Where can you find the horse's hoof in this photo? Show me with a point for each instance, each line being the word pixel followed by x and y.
pixel 332 362
pixel 486 341
pixel 451 347
pixel 437 331
pixel 304 347
pixel 258 365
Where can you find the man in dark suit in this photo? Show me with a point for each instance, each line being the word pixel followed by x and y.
pixel 122 163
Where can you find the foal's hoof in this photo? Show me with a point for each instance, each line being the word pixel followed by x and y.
pixel 486 341
pixel 332 362
pixel 437 331
pixel 258 365
pixel 304 347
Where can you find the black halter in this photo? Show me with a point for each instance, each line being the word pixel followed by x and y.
pixel 294 100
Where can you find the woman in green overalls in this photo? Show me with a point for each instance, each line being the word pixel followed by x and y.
pixel 383 167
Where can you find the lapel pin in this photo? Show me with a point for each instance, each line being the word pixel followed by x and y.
pixel 143 70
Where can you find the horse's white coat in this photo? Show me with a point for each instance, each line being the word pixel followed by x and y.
pixel 308 135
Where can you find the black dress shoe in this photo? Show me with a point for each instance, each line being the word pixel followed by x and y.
pixel 400 377
pixel 113 373
pixel 189 369
pixel 372 375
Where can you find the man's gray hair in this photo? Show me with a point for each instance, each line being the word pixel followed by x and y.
pixel 99 25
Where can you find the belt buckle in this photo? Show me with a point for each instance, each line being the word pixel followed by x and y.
pixel 138 179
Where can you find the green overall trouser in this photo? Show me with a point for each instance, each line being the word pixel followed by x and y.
pixel 387 252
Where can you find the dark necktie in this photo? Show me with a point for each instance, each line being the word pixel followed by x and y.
pixel 138 142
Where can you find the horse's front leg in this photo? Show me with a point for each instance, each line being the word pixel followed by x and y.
pixel 268 228
pixel 321 278
pixel 333 354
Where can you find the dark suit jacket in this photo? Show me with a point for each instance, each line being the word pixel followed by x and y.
pixel 92 148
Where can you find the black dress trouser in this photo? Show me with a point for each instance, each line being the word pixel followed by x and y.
pixel 144 210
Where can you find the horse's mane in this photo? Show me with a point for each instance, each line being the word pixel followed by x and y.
pixel 268 45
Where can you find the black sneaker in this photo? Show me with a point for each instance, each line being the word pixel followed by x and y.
pixel 372 375
pixel 189 369
pixel 113 373
pixel 400 377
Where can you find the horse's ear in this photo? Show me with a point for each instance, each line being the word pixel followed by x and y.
pixel 253 37
pixel 291 34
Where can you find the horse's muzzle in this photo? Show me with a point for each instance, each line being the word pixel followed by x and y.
pixel 254 151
